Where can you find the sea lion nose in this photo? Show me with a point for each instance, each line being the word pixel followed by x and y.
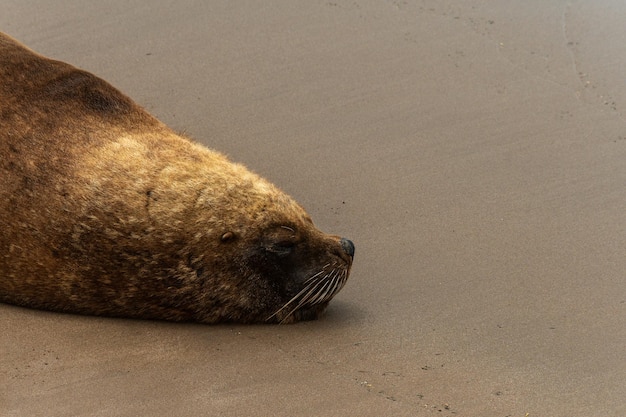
pixel 348 246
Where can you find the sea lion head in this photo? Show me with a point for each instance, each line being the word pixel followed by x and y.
pixel 281 267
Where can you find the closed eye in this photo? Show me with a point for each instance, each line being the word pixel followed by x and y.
pixel 283 247
pixel 281 240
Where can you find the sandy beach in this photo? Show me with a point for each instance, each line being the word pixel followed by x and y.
pixel 475 152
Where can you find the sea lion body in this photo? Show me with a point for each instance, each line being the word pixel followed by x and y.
pixel 104 210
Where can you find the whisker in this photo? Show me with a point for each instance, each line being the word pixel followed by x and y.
pixel 319 288
pixel 294 298
pixel 318 274
pixel 318 296
pixel 338 282
pixel 324 291
pixel 343 280
pixel 302 302
pixel 306 300
pixel 314 291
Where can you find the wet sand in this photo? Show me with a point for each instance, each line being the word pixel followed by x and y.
pixel 476 155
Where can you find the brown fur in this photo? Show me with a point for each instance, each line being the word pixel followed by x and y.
pixel 104 210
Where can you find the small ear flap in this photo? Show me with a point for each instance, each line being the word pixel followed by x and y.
pixel 227 237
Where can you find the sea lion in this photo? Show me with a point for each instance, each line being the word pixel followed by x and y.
pixel 104 210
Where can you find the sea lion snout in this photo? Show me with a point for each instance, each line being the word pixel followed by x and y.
pixel 348 246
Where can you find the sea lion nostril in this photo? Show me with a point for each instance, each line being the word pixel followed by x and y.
pixel 348 246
